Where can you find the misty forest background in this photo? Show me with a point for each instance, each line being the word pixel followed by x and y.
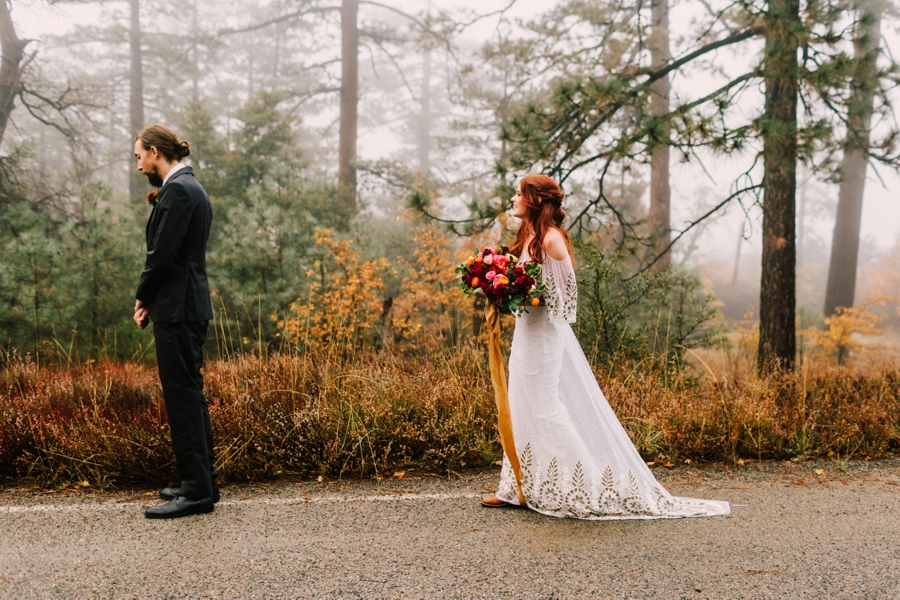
pixel 355 151
pixel 273 98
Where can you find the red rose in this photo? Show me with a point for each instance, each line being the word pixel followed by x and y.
pixel 152 196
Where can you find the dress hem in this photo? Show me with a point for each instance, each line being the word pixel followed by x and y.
pixel 726 511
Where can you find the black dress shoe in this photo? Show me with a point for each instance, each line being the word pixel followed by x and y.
pixel 170 493
pixel 180 507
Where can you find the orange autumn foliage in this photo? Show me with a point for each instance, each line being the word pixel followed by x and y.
pixel 881 279
pixel 348 305
pixel 429 308
pixel 345 299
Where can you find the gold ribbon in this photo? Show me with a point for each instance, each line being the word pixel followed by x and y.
pixel 498 378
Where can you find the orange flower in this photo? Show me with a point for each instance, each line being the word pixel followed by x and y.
pixel 474 282
pixel 535 301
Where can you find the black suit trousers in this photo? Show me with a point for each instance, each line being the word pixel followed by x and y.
pixel 179 354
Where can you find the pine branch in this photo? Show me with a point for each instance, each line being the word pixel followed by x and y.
pixel 614 106
pixel 727 41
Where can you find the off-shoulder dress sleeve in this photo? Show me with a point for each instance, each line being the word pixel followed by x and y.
pixel 561 294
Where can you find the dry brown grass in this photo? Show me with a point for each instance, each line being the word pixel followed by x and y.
pixel 300 414
pixel 372 413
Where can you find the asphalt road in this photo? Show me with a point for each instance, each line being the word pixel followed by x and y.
pixel 793 533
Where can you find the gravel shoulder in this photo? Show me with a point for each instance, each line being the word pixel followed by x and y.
pixel 812 530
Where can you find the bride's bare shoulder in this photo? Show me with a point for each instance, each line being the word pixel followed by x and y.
pixel 555 244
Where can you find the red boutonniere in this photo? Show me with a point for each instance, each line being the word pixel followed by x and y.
pixel 152 197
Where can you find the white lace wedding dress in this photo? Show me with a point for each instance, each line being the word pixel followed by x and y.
pixel 576 458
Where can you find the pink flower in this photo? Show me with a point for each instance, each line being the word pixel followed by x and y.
pixel 490 275
pixel 500 261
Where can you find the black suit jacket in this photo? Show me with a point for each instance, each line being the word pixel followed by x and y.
pixel 173 283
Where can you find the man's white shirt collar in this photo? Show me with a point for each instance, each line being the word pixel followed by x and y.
pixel 172 171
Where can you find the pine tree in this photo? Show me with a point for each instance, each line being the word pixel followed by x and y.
pixel 589 127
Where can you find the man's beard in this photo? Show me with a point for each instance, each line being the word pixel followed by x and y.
pixel 154 179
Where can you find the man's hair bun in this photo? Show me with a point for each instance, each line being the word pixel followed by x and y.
pixel 165 141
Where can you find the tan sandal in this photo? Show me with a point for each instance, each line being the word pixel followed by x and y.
pixel 495 502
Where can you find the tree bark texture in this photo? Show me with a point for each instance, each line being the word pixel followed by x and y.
pixel 841 287
pixel 349 118
pixel 660 193
pixel 11 69
pixel 777 301
pixel 424 129
pixel 136 183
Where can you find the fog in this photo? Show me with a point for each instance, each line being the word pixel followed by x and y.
pixel 82 41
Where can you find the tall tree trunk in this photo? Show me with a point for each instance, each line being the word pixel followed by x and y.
pixel 660 194
pixel 11 70
pixel 195 52
pixel 424 129
pixel 349 103
pixel 136 182
pixel 737 255
pixel 801 223
pixel 777 299
pixel 841 287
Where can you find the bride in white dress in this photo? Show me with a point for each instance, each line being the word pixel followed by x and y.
pixel 576 458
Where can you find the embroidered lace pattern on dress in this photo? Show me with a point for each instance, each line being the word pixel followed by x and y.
pixel 559 491
pixel 559 307
pixel 577 459
pixel 508 488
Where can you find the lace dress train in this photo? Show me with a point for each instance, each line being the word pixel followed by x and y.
pixel 577 460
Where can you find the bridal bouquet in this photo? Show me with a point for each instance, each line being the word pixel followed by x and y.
pixel 507 284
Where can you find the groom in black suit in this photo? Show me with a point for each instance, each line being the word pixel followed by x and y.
pixel 174 293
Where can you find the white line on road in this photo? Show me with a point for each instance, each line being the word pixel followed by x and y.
pixel 87 507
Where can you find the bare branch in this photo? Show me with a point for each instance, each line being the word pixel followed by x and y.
pixel 398 11
pixel 726 41
pixel 288 17
pixel 696 222
pixel 485 16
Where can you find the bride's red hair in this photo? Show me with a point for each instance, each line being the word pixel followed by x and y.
pixel 542 198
